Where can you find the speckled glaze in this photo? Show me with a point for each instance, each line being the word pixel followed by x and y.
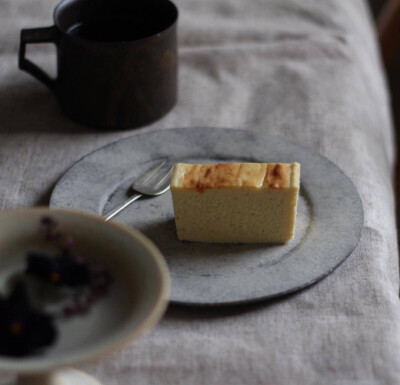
pixel 329 221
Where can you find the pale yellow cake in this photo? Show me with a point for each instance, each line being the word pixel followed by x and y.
pixel 235 202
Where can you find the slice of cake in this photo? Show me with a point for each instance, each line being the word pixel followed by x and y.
pixel 235 202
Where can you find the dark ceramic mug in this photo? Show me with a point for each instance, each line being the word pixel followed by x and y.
pixel 116 60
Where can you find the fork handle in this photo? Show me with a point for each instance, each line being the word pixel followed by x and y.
pixel 121 207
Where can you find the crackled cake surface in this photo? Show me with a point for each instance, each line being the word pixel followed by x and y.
pixel 235 202
pixel 204 176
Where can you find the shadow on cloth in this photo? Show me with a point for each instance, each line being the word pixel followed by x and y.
pixel 30 107
pixel 44 198
pixel 182 312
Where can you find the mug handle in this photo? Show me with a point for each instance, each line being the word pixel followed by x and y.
pixel 38 35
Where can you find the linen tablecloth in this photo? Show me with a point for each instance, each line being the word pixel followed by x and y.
pixel 307 70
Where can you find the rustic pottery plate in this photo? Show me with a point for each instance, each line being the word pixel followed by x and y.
pixel 135 300
pixel 329 220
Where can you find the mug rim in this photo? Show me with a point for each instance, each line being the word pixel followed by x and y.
pixel 157 35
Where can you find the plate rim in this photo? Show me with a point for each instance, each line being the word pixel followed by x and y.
pixel 254 299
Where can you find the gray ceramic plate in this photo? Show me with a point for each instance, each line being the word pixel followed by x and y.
pixel 329 220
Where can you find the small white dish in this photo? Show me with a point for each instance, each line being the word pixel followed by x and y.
pixel 137 297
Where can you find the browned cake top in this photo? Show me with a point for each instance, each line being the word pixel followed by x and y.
pixel 207 176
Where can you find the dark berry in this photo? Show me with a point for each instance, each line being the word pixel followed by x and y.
pixel 24 329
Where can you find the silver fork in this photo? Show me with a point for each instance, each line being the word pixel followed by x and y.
pixel 152 183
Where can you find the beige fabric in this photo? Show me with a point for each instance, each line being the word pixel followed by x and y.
pixel 306 70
